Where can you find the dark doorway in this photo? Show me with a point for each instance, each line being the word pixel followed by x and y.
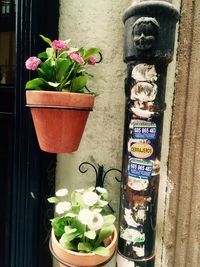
pixel 26 173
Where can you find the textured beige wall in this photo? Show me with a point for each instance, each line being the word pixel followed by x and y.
pixel 99 23
pixel 166 185
pixel 182 231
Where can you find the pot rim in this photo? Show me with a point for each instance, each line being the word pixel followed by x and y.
pixel 78 254
pixel 53 237
pixel 58 92
pixel 54 99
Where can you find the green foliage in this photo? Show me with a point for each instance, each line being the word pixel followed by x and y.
pixel 101 251
pixel 58 70
pixel 82 224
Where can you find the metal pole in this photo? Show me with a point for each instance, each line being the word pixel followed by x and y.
pixel 149 42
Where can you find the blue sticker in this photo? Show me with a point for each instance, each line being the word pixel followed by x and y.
pixel 143 130
pixel 140 168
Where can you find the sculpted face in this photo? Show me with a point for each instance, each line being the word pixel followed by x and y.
pixel 144 34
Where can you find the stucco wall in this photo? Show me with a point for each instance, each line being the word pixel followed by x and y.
pixel 99 24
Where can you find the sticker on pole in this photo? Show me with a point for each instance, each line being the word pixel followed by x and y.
pixel 141 149
pixel 123 262
pixel 140 168
pixel 143 130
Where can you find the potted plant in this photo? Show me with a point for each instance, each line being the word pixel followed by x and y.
pixel 58 98
pixel 83 233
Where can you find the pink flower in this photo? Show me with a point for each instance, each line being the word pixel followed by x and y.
pixel 92 60
pixel 60 45
pixel 32 63
pixel 76 57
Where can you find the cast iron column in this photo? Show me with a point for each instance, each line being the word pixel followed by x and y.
pixel 149 42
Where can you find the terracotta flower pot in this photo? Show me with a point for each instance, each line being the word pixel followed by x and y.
pixel 59 118
pixel 71 258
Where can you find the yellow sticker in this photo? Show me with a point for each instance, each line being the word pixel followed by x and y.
pixel 141 150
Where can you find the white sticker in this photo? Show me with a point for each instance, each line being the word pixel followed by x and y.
pixel 132 235
pixel 144 72
pixel 144 91
pixel 122 262
pixel 137 184
pixel 129 218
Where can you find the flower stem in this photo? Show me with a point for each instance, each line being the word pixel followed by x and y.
pixel 65 80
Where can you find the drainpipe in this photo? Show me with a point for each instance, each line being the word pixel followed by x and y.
pixel 149 44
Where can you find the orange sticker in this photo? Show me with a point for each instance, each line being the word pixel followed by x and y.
pixel 141 150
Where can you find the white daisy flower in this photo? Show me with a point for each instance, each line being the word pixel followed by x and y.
pixel 85 216
pixel 62 207
pixel 101 190
pixel 97 222
pixel 62 192
pixel 90 198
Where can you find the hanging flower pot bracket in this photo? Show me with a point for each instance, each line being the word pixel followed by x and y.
pixel 60 107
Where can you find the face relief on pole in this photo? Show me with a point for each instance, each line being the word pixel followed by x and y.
pixel 149 44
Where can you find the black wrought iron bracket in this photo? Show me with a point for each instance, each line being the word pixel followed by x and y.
pixel 99 171
pixel 100 174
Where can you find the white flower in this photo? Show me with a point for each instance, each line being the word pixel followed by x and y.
pixel 62 207
pixel 62 192
pixel 101 190
pixel 97 222
pixel 85 216
pixel 90 198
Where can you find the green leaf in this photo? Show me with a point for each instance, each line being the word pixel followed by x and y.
pixel 41 73
pixel 53 200
pixel 75 223
pixel 55 85
pixel 72 49
pixel 48 69
pixel 73 198
pixel 101 251
pixel 84 246
pixel 62 66
pixel 36 83
pixel 102 203
pixel 45 39
pixel 78 83
pixel 105 232
pixel 91 52
pixel 58 225
pixel 81 51
pixel 69 230
pixel 71 214
pixel 77 200
pixel 68 245
pixel 75 209
pixel 50 52
pixel 109 219
pixel 66 238
pixel 104 196
pixel 98 210
pixel 42 55
pixel 63 54
pixel 90 234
